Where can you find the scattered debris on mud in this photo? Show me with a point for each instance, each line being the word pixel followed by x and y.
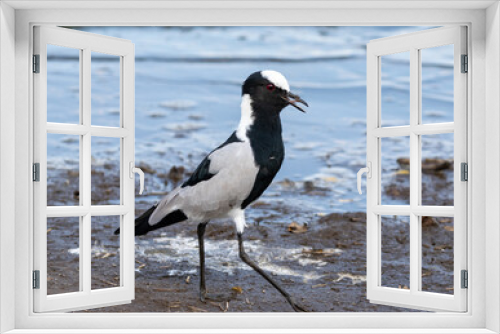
pixel 321 262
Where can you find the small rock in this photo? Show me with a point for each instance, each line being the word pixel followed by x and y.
pixel 294 227
pixel 146 168
pixel 404 163
pixel 393 191
pixel 428 164
pixel 428 222
pixel 287 183
pixel 400 239
pixel 443 247
pixel 308 186
pixel 435 165
pixel 176 174
pixel 237 289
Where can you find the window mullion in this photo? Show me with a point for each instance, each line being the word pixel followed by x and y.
pixel 415 233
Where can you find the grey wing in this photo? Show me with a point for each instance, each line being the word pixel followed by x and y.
pixel 202 172
pixel 233 171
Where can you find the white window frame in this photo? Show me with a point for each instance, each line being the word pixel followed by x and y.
pixel 483 21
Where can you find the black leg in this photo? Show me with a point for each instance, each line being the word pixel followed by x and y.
pixel 255 267
pixel 203 290
pixel 201 244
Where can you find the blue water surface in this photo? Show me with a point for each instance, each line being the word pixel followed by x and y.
pixel 188 90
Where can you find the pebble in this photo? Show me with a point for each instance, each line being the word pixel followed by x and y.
pixel 237 289
pixel 428 164
pixel 294 227
pixel 428 222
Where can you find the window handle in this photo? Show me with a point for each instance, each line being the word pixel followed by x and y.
pixel 368 171
pixel 133 170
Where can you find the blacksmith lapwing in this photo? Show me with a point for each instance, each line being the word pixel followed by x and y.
pixel 234 174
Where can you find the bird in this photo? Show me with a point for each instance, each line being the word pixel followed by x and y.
pixel 234 174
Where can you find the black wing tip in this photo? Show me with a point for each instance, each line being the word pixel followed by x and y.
pixel 117 232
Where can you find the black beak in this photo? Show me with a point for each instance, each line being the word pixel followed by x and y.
pixel 294 99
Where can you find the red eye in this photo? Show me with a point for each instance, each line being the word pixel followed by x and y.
pixel 270 87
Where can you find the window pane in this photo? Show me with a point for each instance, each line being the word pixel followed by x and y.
pixel 63 84
pixel 437 254
pixel 395 169
pixel 437 84
pixel 63 255
pixel 105 89
pixel 395 251
pixel 105 252
pixel 105 170
pixel 437 169
pixel 63 169
pixel 395 89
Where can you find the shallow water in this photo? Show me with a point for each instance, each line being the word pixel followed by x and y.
pixel 188 95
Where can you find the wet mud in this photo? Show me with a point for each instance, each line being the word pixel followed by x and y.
pixel 320 261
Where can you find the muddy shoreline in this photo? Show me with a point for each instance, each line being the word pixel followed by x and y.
pixel 321 262
pixel 181 113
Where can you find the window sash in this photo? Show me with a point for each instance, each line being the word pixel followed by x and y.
pixel 86 297
pixel 414 297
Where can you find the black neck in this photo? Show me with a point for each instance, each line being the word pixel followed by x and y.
pixel 265 136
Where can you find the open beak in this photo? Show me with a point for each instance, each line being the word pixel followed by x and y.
pixel 294 99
